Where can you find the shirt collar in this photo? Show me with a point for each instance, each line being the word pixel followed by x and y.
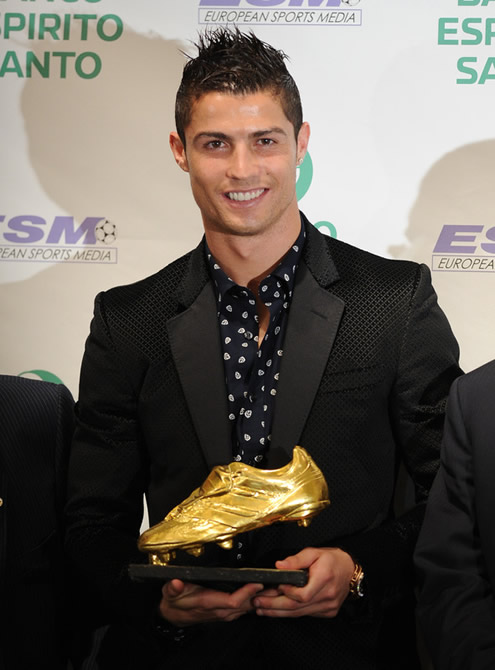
pixel 285 270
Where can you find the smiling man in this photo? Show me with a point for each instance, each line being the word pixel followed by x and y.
pixel 266 336
pixel 243 176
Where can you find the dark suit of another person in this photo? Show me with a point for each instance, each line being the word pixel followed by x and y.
pixel 455 555
pixel 36 424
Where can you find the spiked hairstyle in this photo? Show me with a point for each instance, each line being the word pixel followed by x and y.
pixel 230 61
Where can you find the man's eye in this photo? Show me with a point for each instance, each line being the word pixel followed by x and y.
pixel 266 141
pixel 215 144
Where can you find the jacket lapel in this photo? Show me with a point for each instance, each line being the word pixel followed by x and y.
pixel 195 344
pixel 314 319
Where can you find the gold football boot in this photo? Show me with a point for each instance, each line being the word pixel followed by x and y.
pixel 236 498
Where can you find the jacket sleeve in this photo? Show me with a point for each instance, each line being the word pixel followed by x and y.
pixel 427 366
pixel 107 476
pixel 456 603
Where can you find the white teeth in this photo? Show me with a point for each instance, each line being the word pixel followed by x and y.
pixel 246 195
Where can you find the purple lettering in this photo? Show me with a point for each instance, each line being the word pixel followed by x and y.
pixel 489 248
pixel 27 229
pixel 446 243
pixel 64 225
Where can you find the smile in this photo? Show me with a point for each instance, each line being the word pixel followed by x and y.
pixel 240 196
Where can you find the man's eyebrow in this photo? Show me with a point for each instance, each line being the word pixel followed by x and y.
pixel 212 135
pixel 269 131
pixel 217 135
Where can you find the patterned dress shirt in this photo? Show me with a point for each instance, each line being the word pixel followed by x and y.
pixel 252 368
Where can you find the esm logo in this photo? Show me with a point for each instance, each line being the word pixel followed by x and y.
pixel 29 238
pixel 465 248
pixel 32 229
pixel 464 239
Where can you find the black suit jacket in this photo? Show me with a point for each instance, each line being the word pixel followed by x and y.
pixel 456 550
pixel 368 360
pixel 36 424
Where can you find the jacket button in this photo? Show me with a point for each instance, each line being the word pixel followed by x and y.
pixel 1 502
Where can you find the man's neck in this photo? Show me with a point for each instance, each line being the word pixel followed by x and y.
pixel 247 260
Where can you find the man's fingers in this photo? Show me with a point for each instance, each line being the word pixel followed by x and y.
pixel 299 561
pixel 184 604
pixel 173 588
pixel 245 594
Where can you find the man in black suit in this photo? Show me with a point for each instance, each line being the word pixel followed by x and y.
pixel 267 335
pixel 455 555
pixel 36 425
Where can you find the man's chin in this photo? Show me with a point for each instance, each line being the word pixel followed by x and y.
pixel 241 228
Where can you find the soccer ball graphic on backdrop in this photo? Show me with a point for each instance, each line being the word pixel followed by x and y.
pixel 351 3
pixel 106 232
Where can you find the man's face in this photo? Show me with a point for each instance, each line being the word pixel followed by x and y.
pixel 241 155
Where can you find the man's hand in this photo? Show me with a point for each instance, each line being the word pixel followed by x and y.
pixel 330 572
pixel 184 604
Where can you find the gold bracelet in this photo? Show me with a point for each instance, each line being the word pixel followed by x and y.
pixel 356 584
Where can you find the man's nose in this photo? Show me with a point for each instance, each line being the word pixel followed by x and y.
pixel 243 163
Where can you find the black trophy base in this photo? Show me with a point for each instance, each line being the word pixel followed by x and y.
pixel 223 579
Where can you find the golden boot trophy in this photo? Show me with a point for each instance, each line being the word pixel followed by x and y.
pixel 236 498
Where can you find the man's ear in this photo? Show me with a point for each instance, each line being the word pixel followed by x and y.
pixel 302 142
pixel 179 151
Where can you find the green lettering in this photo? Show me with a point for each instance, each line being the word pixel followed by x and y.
pixel 462 67
pixel 50 29
pixel 472 31
pixel 43 68
pixel 96 65
pixel 490 63
pixel 84 18
pixel 119 28
pixel 489 33
pixel 67 19
pixel 10 26
pixel 32 26
pixel 443 30
pixel 64 55
pixel 15 67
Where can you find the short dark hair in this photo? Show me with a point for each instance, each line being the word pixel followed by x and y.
pixel 234 62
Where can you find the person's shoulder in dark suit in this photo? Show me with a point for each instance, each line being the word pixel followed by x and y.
pixel 36 423
pixel 455 554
